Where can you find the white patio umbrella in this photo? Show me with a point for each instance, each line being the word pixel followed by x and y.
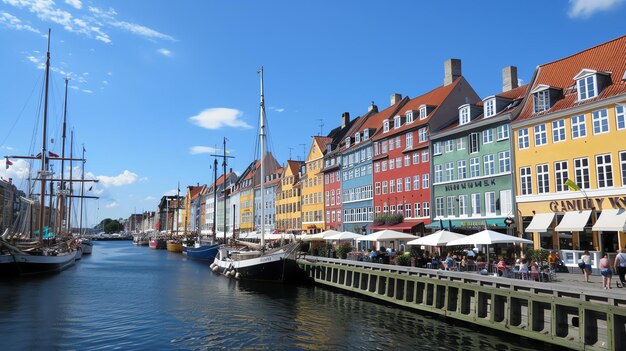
pixel 320 236
pixel 488 237
pixel 343 236
pixel 439 238
pixel 386 234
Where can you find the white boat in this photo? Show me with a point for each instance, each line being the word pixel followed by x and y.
pixel 268 265
pixel 86 245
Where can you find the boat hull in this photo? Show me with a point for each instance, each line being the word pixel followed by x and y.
pixel 22 264
pixel 205 252
pixel 276 267
pixel 87 246
pixel 174 246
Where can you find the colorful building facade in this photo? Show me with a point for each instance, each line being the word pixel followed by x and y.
pixel 288 212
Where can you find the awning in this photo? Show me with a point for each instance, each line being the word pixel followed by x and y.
pixel 408 226
pixel 611 221
pixel 540 223
pixel 468 223
pixel 574 221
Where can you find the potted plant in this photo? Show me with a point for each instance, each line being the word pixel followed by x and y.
pixel 343 249
pixel 404 259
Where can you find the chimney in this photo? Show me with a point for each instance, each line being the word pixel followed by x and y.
pixel 509 78
pixel 452 71
pixel 372 107
pixel 230 171
pixel 395 98
pixel 345 119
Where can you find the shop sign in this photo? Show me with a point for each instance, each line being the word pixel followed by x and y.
pixel 588 204
pixel 471 184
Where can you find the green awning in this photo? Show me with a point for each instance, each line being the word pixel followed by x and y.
pixel 468 223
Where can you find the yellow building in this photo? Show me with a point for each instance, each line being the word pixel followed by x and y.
pixel 572 126
pixel 288 213
pixel 313 187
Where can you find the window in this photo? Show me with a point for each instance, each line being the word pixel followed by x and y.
pixel 541 136
pixel 422 134
pixel 489 165
pixel 398 142
pixel 581 170
pixel 490 203
pixel 503 132
pixel 366 134
pixel 474 143
pixel 622 160
pixel 424 155
pixel 376 167
pixel 407 211
pixel 464 115
pixel 409 140
pixel 384 147
pixel 450 205
pixel 490 107
pixel 461 169
pixel 398 162
pixel 461 143
pixel 504 161
pixel 450 171
pixel 475 204
pixel 426 209
pixel 604 169
pixel 587 87
pixel 384 165
pixel 385 187
pixel 439 207
pixel 407 160
pixel 385 126
pixel 506 202
pixel 522 139
pixel 542 101
pixel 620 120
pixel 407 184
pixel 392 186
pixel 474 167
pixel 525 178
pixel 437 148
pixel 396 122
pixel 543 179
pixel 399 185
pixel 558 131
pixel 449 145
pixel 377 187
pixel 409 116
pixel 392 164
pixel 418 211
pixel 487 136
pixel 462 205
pixel 560 175
pixel 416 157
pixel 357 137
pixel 423 112
pixel 600 121
pixel 416 182
pixel 425 181
pixel 579 128
pixel 332 197
pixel 438 173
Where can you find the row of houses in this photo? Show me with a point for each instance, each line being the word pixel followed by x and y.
pixel 545 160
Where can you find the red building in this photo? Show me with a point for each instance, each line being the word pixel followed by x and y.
pixel 402 153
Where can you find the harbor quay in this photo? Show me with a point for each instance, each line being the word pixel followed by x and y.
pixel 565 311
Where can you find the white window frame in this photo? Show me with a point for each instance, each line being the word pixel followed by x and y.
pixel 357 137
pixel 366 134
pixel 600 121
pixel 541 134
pixel 581 172
pixel 490 203
pixel 474 167
pixel 584 83
pixel 437 148
pixel 541 101
pixel 385 126
pixel 622 161
pixel 423 112
pixel 450 171
pixel 416 157
pixel 561 174
pixel 503 132
pixel 476 210
pixel 439 207
pixel 409 139
pixel 461 143
pixel 464 115
pixel 578 126
pixel 504 161
pixel 489 165
pixel 488 136
pixel 525 180
pixel 620 117
pixel 506 202
pixel 422 134
pixel 543 178
pixel 604 171
pixel 558 131
pixel 523 139
pixel 397 122
pixel 449 145
pixel 409 116
pixel 462 205
pixel 461 166
pixel 490 107
pixel 425 181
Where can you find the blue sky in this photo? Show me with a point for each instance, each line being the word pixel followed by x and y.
pixel 155 85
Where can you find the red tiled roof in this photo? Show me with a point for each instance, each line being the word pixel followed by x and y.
pixel 375 121
pixel 515 94
pixel 322 142
pixel 606 57
pixel 294 166
pixel 434 97
pixel 194 191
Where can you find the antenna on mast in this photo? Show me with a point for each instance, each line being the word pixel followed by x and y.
pixel 321 125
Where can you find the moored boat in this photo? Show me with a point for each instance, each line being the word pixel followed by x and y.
pixel 174 246
pixel 202 252
pixel 86 245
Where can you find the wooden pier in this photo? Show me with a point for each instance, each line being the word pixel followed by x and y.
pixel 567 313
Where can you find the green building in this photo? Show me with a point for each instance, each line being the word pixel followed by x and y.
pixel 472 164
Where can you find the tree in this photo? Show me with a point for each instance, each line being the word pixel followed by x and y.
pixel 111 226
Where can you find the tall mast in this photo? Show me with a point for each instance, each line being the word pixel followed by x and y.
pixel 213 239
pixel 262 142
pixel 225 209
pixel 44 166
pixel 177 207
pixel 61 196
pixel 70 190
pixel 82 192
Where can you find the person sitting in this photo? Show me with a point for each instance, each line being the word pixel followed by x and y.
pixel 463 263
pixel 501 266
pixel 449 263
pixel 524 269
pixel 373 255
pixel 552 260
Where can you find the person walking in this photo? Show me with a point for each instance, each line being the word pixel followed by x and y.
pixel 620 266
pixel 606 270
pixel 587 268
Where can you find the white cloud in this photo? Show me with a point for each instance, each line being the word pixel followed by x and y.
pixel 277 109
pixel 587 8
pixel 125 178
pixel 112 205
pixel 13 22
pixel 87 91
pixel 17 171
pixel 202 150
pixel 140 30
pixel 165 52
pixel 171 192
pixel 77 4
pixel 149 198
pixel 216 118
pixel 7 147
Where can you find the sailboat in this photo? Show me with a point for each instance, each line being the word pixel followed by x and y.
pixel 268 265
pixel 21 256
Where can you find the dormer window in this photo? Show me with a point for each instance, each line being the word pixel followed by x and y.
pixel 587 86
pixel 385 126
pixel 396 122
pixel 423 112
pixel 542 101
pixel 357 137
pixel 366 134
pixel 409 116
pixel 464 114
pixel 348 142
pixel 490 107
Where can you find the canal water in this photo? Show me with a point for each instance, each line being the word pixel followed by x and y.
pixel 124 297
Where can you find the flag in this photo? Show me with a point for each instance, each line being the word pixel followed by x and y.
pixel 52 154
pixel 9 163
pixel 91 187
pixel 38 155
pixel 572 185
